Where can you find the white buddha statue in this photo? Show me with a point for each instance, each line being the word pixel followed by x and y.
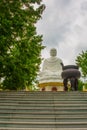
pixel 51 69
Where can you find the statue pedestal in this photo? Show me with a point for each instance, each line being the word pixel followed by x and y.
pixel 50 84
pixel 51 81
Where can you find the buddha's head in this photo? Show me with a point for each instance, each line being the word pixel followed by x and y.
pixel 53 52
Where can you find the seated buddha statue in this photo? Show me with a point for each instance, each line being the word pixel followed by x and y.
pixel 51 69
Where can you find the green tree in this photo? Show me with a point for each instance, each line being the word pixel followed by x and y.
pixel 81 61
pixel 20 45
pixel 80 85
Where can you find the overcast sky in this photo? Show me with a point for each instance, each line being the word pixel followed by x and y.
pixel 64 27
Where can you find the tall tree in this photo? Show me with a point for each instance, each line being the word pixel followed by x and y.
pixel 81 61
pixel 20 45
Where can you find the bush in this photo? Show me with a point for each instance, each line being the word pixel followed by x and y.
pixel 80 85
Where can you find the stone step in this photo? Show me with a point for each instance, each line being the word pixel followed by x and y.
pixel 2 128
pixel 44 124
pixel 58 105
pixel 22 116
pixel 41 94
pixel 44 116
pixel 56 113
pixel 38 109
pixel 19 119
pixel 45 99
pixel 44 104
pixel 43 110
pixel 15 93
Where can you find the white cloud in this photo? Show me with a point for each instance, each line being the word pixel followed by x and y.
pixel 64 26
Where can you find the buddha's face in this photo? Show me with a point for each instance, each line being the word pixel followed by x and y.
pixel 53 52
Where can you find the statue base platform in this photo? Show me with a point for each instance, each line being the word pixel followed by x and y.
pixel 51 86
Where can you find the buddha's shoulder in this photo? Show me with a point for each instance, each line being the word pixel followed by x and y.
pixel 53 60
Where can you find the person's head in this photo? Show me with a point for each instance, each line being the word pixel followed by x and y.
pixel 53 52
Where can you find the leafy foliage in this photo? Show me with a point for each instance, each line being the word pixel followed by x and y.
pixel 80 85
pixel 81 61
pixel 20 46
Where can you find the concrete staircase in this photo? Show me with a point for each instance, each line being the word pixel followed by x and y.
pixel 43 110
